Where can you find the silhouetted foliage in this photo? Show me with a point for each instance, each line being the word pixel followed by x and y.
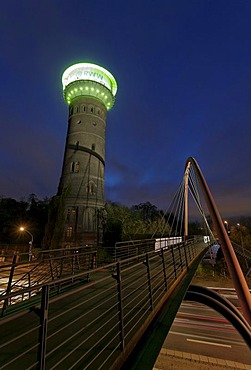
pixel 31 213
pixel 138 222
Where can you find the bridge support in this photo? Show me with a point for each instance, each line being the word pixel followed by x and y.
pixel 223 306
pixel 232 262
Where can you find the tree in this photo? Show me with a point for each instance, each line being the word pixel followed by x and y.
pixel 12 215
pixel 31 213
pixel 148 211
pixel 138 222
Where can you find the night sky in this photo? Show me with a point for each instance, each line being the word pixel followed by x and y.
pixel 183 70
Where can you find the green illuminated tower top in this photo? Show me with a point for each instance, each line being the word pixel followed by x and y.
pixel 87 79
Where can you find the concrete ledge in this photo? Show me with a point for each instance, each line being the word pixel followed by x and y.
pixel 203 359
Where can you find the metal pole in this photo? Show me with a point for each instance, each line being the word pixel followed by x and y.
pixel 149 281
pixel 186 178
pixel 30 244
pixel 117 276
pixel 43 328
pixel 164 268
pixel 174 263
pixel 8 290
pixel 236 273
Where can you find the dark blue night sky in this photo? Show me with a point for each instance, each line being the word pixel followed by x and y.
pixel 184 89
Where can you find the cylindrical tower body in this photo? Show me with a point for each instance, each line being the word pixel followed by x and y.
pixel 90 92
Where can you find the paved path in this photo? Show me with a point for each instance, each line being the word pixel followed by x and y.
pixel 176 360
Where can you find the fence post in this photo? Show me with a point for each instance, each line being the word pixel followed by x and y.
pixel 181 262
pixel 29 282
pixel 8 289
pixel 184 245
pixel 146 262
pixel 174 263
pixel 117 276
pixel 189 251
pixel 43 328
pixel 164 268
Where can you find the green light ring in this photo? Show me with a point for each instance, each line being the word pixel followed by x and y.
pixel 86 67
pixel 89 88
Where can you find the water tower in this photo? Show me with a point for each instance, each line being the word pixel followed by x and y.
pixel 90 91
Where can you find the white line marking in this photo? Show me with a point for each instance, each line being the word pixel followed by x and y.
pixel 212 343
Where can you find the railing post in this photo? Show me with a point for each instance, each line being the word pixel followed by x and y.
pixel 149 280
pixel 174 263
pixel 164 268
pixel 184 245
pixel 117 276
pixel 73 262
pixel 29 282
pixel 94 260
pixel 43 328
pixel 189 251
pixel 8 289
pixel 181 262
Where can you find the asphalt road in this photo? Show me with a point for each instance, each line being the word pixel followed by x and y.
pixel 200 330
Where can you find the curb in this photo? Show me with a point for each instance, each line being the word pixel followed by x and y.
pixel 203 359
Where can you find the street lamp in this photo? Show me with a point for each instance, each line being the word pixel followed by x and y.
pixel 30 242
pixel 226 223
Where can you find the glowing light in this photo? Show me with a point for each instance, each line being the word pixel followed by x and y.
pixel 92 72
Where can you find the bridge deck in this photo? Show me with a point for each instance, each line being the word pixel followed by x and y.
pixel 99 322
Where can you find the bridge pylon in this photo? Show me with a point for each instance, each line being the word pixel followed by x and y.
pixel 232 262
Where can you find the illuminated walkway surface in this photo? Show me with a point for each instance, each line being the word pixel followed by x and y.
pixel 97 322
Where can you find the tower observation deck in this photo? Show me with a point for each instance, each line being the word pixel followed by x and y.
pixel 90 91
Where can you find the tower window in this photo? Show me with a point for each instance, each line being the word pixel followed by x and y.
pixel 92 110
pixel 78 121
pixel 69 231
pixel 93 147
pixel 91 188
pixel 83 108
pixel 71 215
pixel 75 166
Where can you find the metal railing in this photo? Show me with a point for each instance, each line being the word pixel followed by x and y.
pixel 48 266
pixel 92 325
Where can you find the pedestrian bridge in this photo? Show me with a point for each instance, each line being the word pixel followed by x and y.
pixel 98 318
pixel 84 314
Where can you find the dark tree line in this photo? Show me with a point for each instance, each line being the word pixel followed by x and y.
pixel 143 220
pixel 31 213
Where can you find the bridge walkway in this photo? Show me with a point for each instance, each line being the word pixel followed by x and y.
pixel 99 323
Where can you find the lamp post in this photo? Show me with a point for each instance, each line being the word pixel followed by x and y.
pixel 30 242
pixel 226 223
